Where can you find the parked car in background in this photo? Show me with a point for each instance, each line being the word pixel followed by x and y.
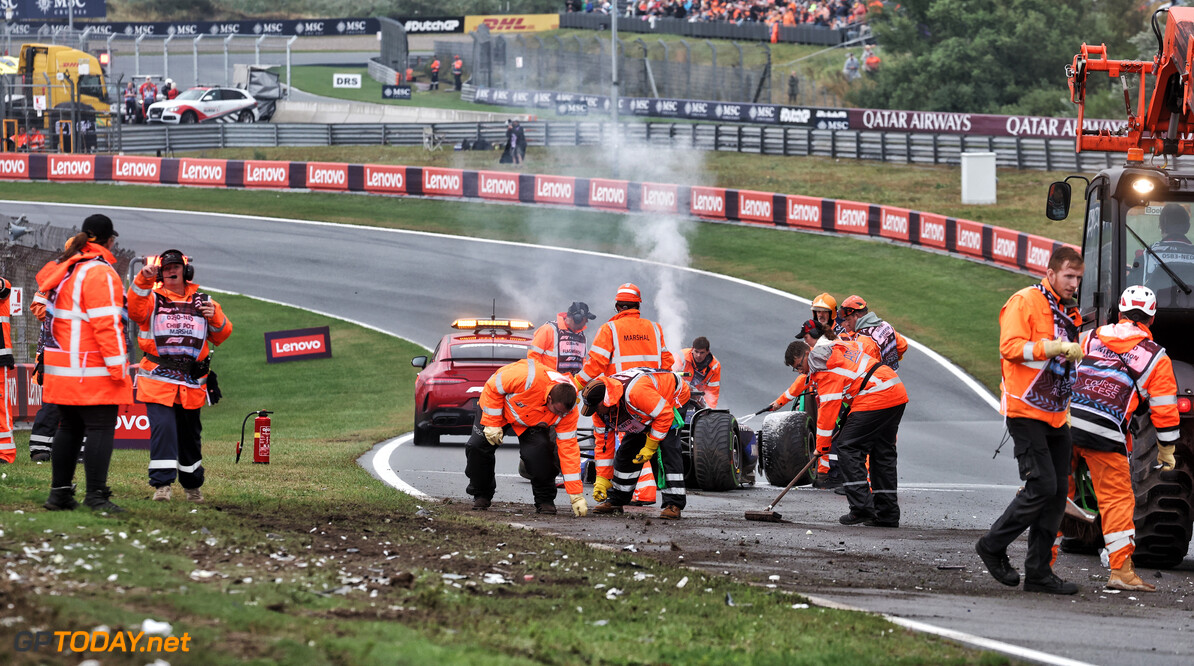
pixel 206 104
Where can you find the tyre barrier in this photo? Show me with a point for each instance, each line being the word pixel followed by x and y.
pixel 975 241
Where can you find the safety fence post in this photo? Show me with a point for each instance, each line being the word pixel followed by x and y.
pixel 935 151
pixel 882 146
pixel 671 133
pixel 857 144
pixel 1107 157
pixel 1019 152
pixel 990 144
pixel 786 141
pixel 716 136
pixel 575 132
pixel 808 142
pixel 740 129
pixel 1048 157
pixel 385 132
pixel 647 138
pixel 833 144
pixel 222 143
pixel 547 133
pixel 277 143
pixel 908 148
pixel 327 133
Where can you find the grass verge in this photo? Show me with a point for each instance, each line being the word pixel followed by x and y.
pixel 309 560
pixel 949 304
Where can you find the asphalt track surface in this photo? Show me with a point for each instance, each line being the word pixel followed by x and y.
pixel 412 285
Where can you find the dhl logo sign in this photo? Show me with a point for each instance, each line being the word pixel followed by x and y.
pixel 515 23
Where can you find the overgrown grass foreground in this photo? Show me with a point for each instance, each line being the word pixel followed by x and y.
pixel 311 561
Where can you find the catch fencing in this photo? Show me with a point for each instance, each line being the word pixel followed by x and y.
pixel 735 72
pixel 895 147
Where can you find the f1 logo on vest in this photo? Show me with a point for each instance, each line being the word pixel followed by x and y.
pixel 298 345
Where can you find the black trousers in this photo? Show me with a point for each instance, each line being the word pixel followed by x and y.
pixel 871 434
pixel 1043 454
pixel 98 424
pixel 626 472
pixel 175 446
pixel 535 448
pixel 45 426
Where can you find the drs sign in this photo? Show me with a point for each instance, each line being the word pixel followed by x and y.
pixel 298 345
pixel 346 80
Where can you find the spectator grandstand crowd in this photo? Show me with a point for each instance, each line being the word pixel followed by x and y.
pixel 824 13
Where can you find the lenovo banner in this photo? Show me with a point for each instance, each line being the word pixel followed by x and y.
pixel 298 345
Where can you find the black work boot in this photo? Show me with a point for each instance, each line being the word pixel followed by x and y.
pixel 62 499
pixel 98 500
pixel 481 503
pixel 998 565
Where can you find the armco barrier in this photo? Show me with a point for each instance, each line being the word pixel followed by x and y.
pixel 1006 248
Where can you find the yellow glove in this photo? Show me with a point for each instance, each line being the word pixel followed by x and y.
pixel 1165 456
pixel 579 506
pixel 648 450
pixel 578 383
pixel 493 434
pixel 1071 350
pixel 600 486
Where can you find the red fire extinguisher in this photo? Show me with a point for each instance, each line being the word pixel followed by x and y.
pixel 261 436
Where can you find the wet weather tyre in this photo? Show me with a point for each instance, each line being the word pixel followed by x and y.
pixel 425 437
pixel 784 447
pixel 715 464
pixel 1164 499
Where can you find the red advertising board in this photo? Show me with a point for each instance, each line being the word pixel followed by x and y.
pixel 932 230
pixel 850 217
pixel 70 167
pixel 555 189
pixel 893 222
pixel 804 211
pixel 708 202
pixel 136 169
pixel 611 194
pixel 14 167
pixel 385 179
pixel 202 172
pixel 443 182
pixel 498 185
pixel 262 173
pixel 1039 251
pixel 659 198
pixel 756 207
pixel 132 427
pixel 298 345
pixel 1004 243
pixel 327 176
pixel 969 238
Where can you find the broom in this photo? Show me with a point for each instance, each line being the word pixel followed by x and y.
pixel 769 516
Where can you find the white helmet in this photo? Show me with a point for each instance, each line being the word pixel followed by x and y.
pixel 1138 297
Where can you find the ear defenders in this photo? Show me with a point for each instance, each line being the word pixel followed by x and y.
pixel 174 257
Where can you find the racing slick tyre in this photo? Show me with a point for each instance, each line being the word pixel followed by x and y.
pixel 189 118
pixel 1164 500
pixel 715 463
pixel 784 447
pixel 245 116
pixel 425 437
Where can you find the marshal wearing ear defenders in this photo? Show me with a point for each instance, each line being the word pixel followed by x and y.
pixel 170 257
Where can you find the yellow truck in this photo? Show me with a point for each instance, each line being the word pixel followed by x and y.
pixel 39 61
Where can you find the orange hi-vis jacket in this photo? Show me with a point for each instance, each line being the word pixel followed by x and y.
pixel 840 383
pixel 558 347
pixel 708 381
pixel 86 364
pixel 169 325
pixel 626 341
pixel 1028 388
pixel 5 319
pixel 794 390
pixel 645 398
pixel 435 65
pixel 516 395
pixel 1121 367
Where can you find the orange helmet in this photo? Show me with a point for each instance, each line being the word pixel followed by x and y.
pixel 628 293
pixel 853 303
pixel 825 302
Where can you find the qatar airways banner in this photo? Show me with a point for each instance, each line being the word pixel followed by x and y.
pixel 916 122
pixel 1007 248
